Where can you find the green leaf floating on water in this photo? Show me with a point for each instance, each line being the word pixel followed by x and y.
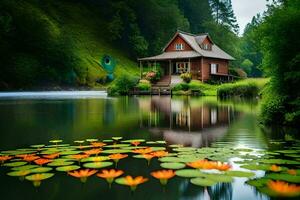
pixel 37 146
pixel 19 173
pixel 117 138
pixel 24 167
pixel 97 165
pixel 133 140
pixel 95 159
pixel 261 182
pixel 121 181
pixel 284 177
pixel 91 140
pixel 240 174
pixel 67 168
pixel 190 173
pixel 185 149
pixel 220 178
pixel 55 141
pixel 203 182
pixel 158 148
pixel 113 151
pixel 40 169
pixel 169 159
pixel 133 147
pixel 14 164
pixel 117 145
pixel 256 167
pixel 59 163
pixel 37 178
pixel 70 152
pixel 172 165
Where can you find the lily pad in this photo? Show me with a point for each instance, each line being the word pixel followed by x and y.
pixel 97 165
pixel 172 165
pixel 256 167
pixel 24 167
pixel 258 182
pixel 114 151
pixel 133 140
pixel 203 182
pixel 60 163
pixel 184 149
pixel 42 176
pixel 240 174
pixel 169 159
pixel 15 164
pixel 95 159
pixel 70 152
pixel 67 168
pixel 19 173
pixel 220 178
pixel 189 173
pixel 92 140
pixel 117 145
pixel 40 169
pixel 158 148
pixel 284 177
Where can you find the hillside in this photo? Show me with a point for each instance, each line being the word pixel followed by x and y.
pixel 50 43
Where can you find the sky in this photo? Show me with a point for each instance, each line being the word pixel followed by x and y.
pixel 246 9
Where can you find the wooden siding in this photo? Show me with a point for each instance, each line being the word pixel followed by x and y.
pixel 178 40
pixel 222 67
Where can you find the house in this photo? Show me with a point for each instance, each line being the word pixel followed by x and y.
pixel 195 54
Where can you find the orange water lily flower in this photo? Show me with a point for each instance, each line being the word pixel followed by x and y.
pixel 143 150
pixel 159 153
pixel 83 174
pixel 292 172
pixel 42 161
pixel 93 151
pixel 110 175
pixel 24 155
pixel 98 144
pixel 117 156
pixel 205 164
pixel 51 156
pixel 78 157
pixel 221 166
pixel 135 143
pixel 30 158
pixel 275 168
pixel 163 175
pixel 5 158
pixel 134 182
pixel 284 188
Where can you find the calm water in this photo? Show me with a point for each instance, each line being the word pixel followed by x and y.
pixel 198 122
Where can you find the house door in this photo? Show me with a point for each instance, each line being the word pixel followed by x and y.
pixel 182 67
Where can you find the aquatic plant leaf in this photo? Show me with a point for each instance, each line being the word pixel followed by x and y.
pixel 117 145
pixel 190 173
pixel 91 140
pixel 240 173
pixel 15 164
pixel 202 182
pixel 220 178
pixel 158 148
pixel 169 159
pixel 107 141
pixel 24 167
pixel 279 161
pixel 133 147
pixel 172 165
pixel 117 138
pixel 287 151
pixel 40 169
pixel 60 163
pixel 184 149
pixel 95 159
pixel 256 167
pixel 261 182
pixel 97 165
pixel 121 181
pixel 19 173
pixel 67 168
pixel 114 151
pixel 70 152
pixel 133 140
pixel 284 177
pixel 38 146
pixel 42 176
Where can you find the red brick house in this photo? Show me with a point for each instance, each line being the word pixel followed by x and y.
pixel 196 54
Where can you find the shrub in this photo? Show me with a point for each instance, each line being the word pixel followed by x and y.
pixel 152 76
pixel 186 77
pixel 123 85
pixel 144 85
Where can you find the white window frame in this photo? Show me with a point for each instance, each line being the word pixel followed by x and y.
pixel 185 68
pixel 179 46
pixel 213 68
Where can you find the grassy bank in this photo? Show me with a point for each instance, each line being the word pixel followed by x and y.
pixel 244 88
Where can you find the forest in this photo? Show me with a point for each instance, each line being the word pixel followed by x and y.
pixel 46 43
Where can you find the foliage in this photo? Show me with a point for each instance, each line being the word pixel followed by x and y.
pixel 123 85
pixel 280 46
pixel 152 76
pixel 186 77
pixel 144 85
pixel 246 66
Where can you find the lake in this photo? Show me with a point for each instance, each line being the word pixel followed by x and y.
pixel 36 118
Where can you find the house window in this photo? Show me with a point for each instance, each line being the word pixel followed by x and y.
pixel 206 46
pixel 179 46
pixel 213 68
pixel 182 67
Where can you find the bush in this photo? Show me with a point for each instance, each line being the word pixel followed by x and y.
pixel 186 77
pixel 144 85
pixel 152 76
pixel 123 85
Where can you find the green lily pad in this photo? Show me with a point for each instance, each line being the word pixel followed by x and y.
pixel 113 151
pixel 79 141
pixel 256 167
pixel 185 149
pixel 279 161
pixel 158 148
pixel 24 167
pixel 284 177
pixel 60 163
pixel 19 173
pixel 190 173
pixel 92 140
pixel 203 182
pixel 55 141
pixel 116 138
pixel 121 181
pixel 107 141
pixel 37 146
pixel 70 152
pixel 15 164
pixel 67 168
pixel 117 145
pixel 97 165
pixel 169 159
pixel 41 176
pixel 40 169
pixel 172 165
pixel 95 159
pixel 287 151
pixel 240 174
pixel 133 140
pixel 134 147
pixel 220 178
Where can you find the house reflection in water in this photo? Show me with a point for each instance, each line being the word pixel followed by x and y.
pixel 187 121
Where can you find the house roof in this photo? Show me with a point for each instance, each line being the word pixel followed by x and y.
pixel 194 41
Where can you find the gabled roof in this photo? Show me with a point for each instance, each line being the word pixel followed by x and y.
pixel 194 41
